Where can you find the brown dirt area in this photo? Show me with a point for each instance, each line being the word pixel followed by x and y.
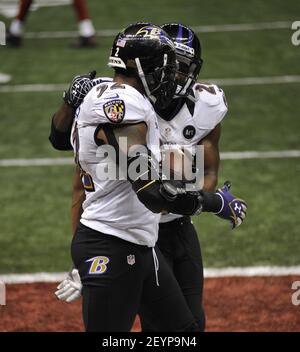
pixel 231 304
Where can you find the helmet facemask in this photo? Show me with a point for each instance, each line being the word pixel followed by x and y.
pixel 159 82
pixel 186 75
pixel 187 72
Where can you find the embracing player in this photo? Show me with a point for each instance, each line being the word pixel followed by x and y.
pixel 192 118
pixel 70 290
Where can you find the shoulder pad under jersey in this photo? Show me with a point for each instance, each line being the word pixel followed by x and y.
pixel 210 105
pixel 115 103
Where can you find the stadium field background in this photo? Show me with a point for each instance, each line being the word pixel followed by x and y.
pixel 34 219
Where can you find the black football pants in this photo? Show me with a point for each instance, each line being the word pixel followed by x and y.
pixel 179 244
pixel 119 278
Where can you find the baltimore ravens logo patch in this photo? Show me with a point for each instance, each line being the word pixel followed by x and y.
pixel 98 265
pixel 114 110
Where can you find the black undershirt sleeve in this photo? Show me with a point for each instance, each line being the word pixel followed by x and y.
pixel 60 140
pixel 151 195
pixel 212 202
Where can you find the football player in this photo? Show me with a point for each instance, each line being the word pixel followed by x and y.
pixel 70 289
pixel 114 250
pixel 192 118
pixel 85 26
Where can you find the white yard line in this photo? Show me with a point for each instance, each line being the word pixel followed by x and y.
pixel 208 273
pixel 36 162
pixel 31 278
pixel 245 81
pixel 68 34
pixel 19 88
pixel 252 271
pixel 260 155
pixel 250 81
pixel 240 27
pixel 224 156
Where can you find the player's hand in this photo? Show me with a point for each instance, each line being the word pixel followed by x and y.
pixel 70 289
pixel 171 190
pixel 233 209
pixel 79 88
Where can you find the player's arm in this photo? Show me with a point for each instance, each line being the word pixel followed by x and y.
pixel 62 120
pixel 211 158
pixel 233 208
pixel 61 126
pixel 157 195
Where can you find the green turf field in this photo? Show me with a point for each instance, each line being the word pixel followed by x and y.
pixel 34 232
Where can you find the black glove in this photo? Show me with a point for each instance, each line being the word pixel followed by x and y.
pixel 79 88
pixel 172 191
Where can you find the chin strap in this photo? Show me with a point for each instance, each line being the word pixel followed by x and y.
pixel 192 98
pixel 186 86
pixel 182 91
pixel 189 97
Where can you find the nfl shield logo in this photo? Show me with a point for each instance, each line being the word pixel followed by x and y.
pixel 131 259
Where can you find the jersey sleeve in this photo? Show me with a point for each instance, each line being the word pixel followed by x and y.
pixel 119 106
pixel 211 105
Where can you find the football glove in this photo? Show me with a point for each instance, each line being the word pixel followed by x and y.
pixel 70 289
pixel 79 88
pixel 233 209
pixel 171 191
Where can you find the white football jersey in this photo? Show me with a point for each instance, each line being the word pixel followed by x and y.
pixel 194 121
pixel 111 206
